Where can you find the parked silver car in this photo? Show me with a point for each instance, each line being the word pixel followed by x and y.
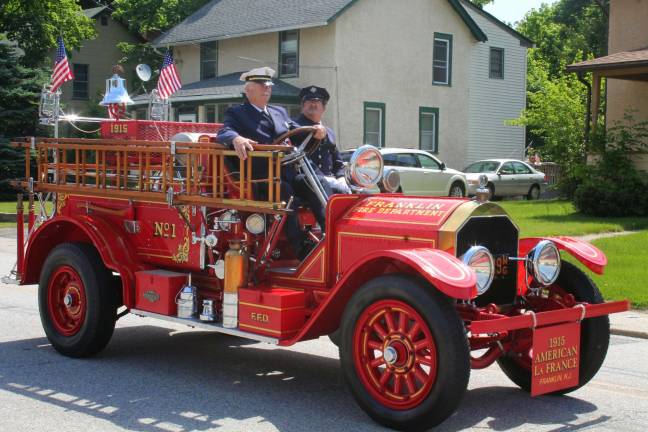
pixel 421 173
pixel 506 177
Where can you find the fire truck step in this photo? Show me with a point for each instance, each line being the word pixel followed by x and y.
pixel 196 323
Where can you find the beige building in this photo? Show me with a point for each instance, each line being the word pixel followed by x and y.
pixel 92 63
pixel 624 69
pixel 439 75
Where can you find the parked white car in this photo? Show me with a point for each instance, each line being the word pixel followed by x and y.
pixel 421 173
pixel 506 177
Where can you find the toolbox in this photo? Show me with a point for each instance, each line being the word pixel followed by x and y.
pixel 156 290
pixel 276 312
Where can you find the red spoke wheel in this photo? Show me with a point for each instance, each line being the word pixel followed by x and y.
pixel 572 284
pixel 395 354
pixel 66 300
pixel 404 352
pixel 77 300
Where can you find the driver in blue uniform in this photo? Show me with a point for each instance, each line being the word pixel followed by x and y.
pixel 256 122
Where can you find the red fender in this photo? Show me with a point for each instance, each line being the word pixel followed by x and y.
pixel 114 250
pixel 444 271
pixel 591 256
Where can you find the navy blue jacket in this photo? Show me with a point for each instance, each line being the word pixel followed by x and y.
pixel 245 120
pixel 326 158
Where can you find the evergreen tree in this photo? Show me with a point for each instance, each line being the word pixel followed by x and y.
pixel 19 97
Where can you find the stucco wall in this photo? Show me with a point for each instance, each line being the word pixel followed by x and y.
pixel 384 53
pixel 494 101
pixel 628 31
pixel 628 25
pixel 100 54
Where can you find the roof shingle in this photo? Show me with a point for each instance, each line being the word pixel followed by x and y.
pixel 616 60
pixel 221 19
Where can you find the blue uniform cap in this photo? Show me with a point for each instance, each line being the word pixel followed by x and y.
pixel 314 93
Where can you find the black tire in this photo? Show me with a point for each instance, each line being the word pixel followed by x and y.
pixel 452 354
pixel 595 333
pixel 457 186
pixel 335 338
pixel 101 300
pixel 534 193
pixel 491 192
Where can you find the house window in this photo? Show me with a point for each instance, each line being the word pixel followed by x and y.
pixel 374 124
pixel 289 53
pixel 429 129
pixel 80 82
pixel 442 59
pixel 496 63
pixel 104 20
pixel 208 60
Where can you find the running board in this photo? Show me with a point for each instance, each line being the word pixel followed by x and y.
pixel 196 323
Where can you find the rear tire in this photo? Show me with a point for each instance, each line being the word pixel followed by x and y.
pixel 595 333
pixel 491 192
pixel 77 300
pixel 402 377
pixel 534 193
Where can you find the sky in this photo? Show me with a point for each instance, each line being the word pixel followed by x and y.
pixel 511 11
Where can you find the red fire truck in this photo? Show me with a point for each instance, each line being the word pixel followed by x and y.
pixel 157 219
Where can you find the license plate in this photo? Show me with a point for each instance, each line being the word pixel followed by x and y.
pixel 555 358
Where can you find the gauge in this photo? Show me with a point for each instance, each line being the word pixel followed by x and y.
pixel 255 223
pixel 226 220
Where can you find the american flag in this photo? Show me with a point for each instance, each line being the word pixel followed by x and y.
pixel 169 81
pixel 62 70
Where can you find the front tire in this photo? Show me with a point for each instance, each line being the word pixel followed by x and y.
pixel 404 352
pixel 595 333
pixel 77 300
pixel 457 190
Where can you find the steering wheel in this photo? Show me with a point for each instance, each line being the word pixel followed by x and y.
pixel 306 148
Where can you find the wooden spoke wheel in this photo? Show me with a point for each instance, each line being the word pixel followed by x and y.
pixel 404 352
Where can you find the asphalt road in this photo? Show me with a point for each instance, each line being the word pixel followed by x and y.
pixel 155 376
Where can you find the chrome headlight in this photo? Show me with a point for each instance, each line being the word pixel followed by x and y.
pixel 228 218
pixel 481 261
pixel 543 262
pixel 390 180
pixel 365 167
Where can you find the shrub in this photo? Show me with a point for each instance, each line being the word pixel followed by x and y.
pixel 613 186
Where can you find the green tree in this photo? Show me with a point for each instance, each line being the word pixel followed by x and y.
pixel 555 116
pixel 19 96
pixel 35 25
pixel 482 3
pixel 150 18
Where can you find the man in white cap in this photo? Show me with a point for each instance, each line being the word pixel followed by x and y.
pixel 256 122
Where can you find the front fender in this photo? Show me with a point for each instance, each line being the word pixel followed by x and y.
pixel 591 256
pixel 445 272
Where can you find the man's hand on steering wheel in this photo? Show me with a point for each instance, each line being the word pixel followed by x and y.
pixel 320 132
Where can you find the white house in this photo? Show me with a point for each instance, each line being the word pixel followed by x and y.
pixel 440 75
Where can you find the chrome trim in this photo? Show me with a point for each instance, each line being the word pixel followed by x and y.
pixel 534 258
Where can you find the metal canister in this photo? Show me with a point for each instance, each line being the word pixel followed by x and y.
pixel 236 268
pixel 187 300
pixel 208 314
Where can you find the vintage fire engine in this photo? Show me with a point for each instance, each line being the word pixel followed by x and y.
pixel 158 220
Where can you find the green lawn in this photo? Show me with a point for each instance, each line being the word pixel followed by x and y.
pixel 10 206
pixel 547 218
pixel 625 276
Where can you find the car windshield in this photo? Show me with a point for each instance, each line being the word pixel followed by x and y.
pixel 482 167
